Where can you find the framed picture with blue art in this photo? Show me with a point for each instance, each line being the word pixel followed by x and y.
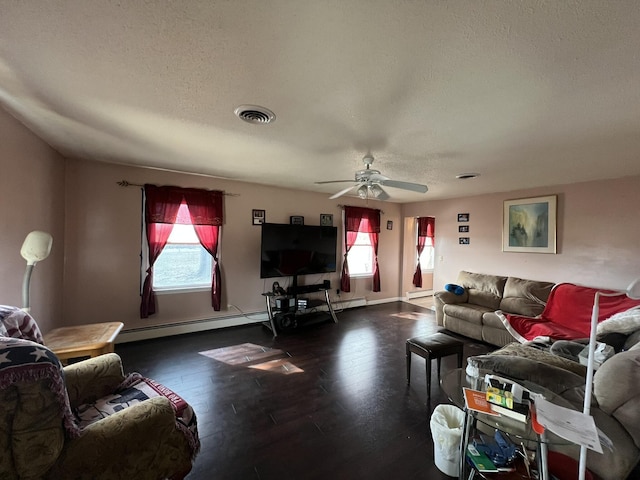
pixel 529 225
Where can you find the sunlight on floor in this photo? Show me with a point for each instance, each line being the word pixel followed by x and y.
pixel 412 315
pixel 247 354
pixel 424 302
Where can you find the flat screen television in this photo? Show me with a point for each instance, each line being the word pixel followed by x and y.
pixel 291 250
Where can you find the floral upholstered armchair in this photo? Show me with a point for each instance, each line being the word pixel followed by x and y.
pixel 87 420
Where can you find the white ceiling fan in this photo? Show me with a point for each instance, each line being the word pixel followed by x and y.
pixel 369 182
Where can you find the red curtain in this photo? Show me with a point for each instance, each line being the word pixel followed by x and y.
pixel 161 213
pixel 426 229
pixel 360 219
pixel 161 210
pixel 205 208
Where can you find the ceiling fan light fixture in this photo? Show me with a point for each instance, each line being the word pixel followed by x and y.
pixel 362 191
pixel 376 191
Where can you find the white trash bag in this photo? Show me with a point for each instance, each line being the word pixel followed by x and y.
pixel 446 423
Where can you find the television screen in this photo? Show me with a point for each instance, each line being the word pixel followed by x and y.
pixel 297 250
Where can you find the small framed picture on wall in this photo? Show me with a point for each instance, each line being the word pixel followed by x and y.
pixel 463 228
pixel 296 220
pixel 463 240
pixel 463 217
pixel 326 220
pixel 258 217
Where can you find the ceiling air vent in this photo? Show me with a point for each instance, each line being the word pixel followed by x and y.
pixel 255 114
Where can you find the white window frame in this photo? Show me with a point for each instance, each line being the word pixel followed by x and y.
pixel 352 274
pixel 433 255
pixel 200 287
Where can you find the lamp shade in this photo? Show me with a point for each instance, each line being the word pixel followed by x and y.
pixel 36 247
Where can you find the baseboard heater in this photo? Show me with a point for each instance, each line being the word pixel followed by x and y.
pixel 419 294
pixel 193 326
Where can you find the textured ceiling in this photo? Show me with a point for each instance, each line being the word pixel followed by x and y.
pixel 525 93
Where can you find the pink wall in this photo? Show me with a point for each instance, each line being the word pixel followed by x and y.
pixel 31 198
pixel 598 232
pixel 93 272
pixel 103 221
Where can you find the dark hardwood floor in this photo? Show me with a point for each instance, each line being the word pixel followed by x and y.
pixel 347 414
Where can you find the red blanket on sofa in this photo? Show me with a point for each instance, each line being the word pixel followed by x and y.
pixel 567 315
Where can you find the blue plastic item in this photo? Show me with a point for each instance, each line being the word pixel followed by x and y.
pixel 453 288
pixel 498 449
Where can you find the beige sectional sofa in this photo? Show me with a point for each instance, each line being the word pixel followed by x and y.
pixel 615 403
pixel 472 313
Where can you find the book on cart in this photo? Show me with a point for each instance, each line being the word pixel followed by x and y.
pixel 476 400
pixel 480 461
pixel 519 412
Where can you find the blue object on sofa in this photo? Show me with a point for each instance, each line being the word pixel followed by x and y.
pixel 453 288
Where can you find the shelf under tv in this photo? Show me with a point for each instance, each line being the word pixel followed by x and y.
pixel 288 312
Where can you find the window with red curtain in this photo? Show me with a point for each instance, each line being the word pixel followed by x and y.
pixel 360 220
pixel 426 227
pixel 161 214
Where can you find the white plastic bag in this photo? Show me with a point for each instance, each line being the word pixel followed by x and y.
pixel 601 353
pixel 446 429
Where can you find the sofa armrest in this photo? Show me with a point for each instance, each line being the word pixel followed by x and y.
pixel 443 297
pixel 616 387
pixel 139 441
pixel 93 378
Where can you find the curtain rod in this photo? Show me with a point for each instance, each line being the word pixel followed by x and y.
pixel 124 183
pixel 342 207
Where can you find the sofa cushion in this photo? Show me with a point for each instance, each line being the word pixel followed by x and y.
pixel 466 311
pixel 484 290
pixel 525 297
pixel 490 319
pixel 518 350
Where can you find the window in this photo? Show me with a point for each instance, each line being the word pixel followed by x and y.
pixel 183 263
pixel 360 257
pixel 426 258
pixel 361 231
pixel 425 242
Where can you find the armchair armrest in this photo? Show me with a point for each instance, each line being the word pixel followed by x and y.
pixel 93 378
pixel 131 443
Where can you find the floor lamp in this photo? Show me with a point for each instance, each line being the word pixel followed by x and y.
pixel 36 247
pixel 633 292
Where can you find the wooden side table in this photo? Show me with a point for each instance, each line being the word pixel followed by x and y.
pixel 82 340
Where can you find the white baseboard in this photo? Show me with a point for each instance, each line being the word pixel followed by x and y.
pixel 419 294
pixel 384 300
pixel 349 303
pixel 168 330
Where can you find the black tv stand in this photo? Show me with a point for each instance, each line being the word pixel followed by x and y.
pixel 287 312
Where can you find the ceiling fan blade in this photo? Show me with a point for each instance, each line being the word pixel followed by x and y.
pixel 333 181
pixel 382 195
pixel 414 187
pixel 377 177
pixel 342 192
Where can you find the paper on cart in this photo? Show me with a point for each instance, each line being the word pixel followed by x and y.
pixel 568 423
